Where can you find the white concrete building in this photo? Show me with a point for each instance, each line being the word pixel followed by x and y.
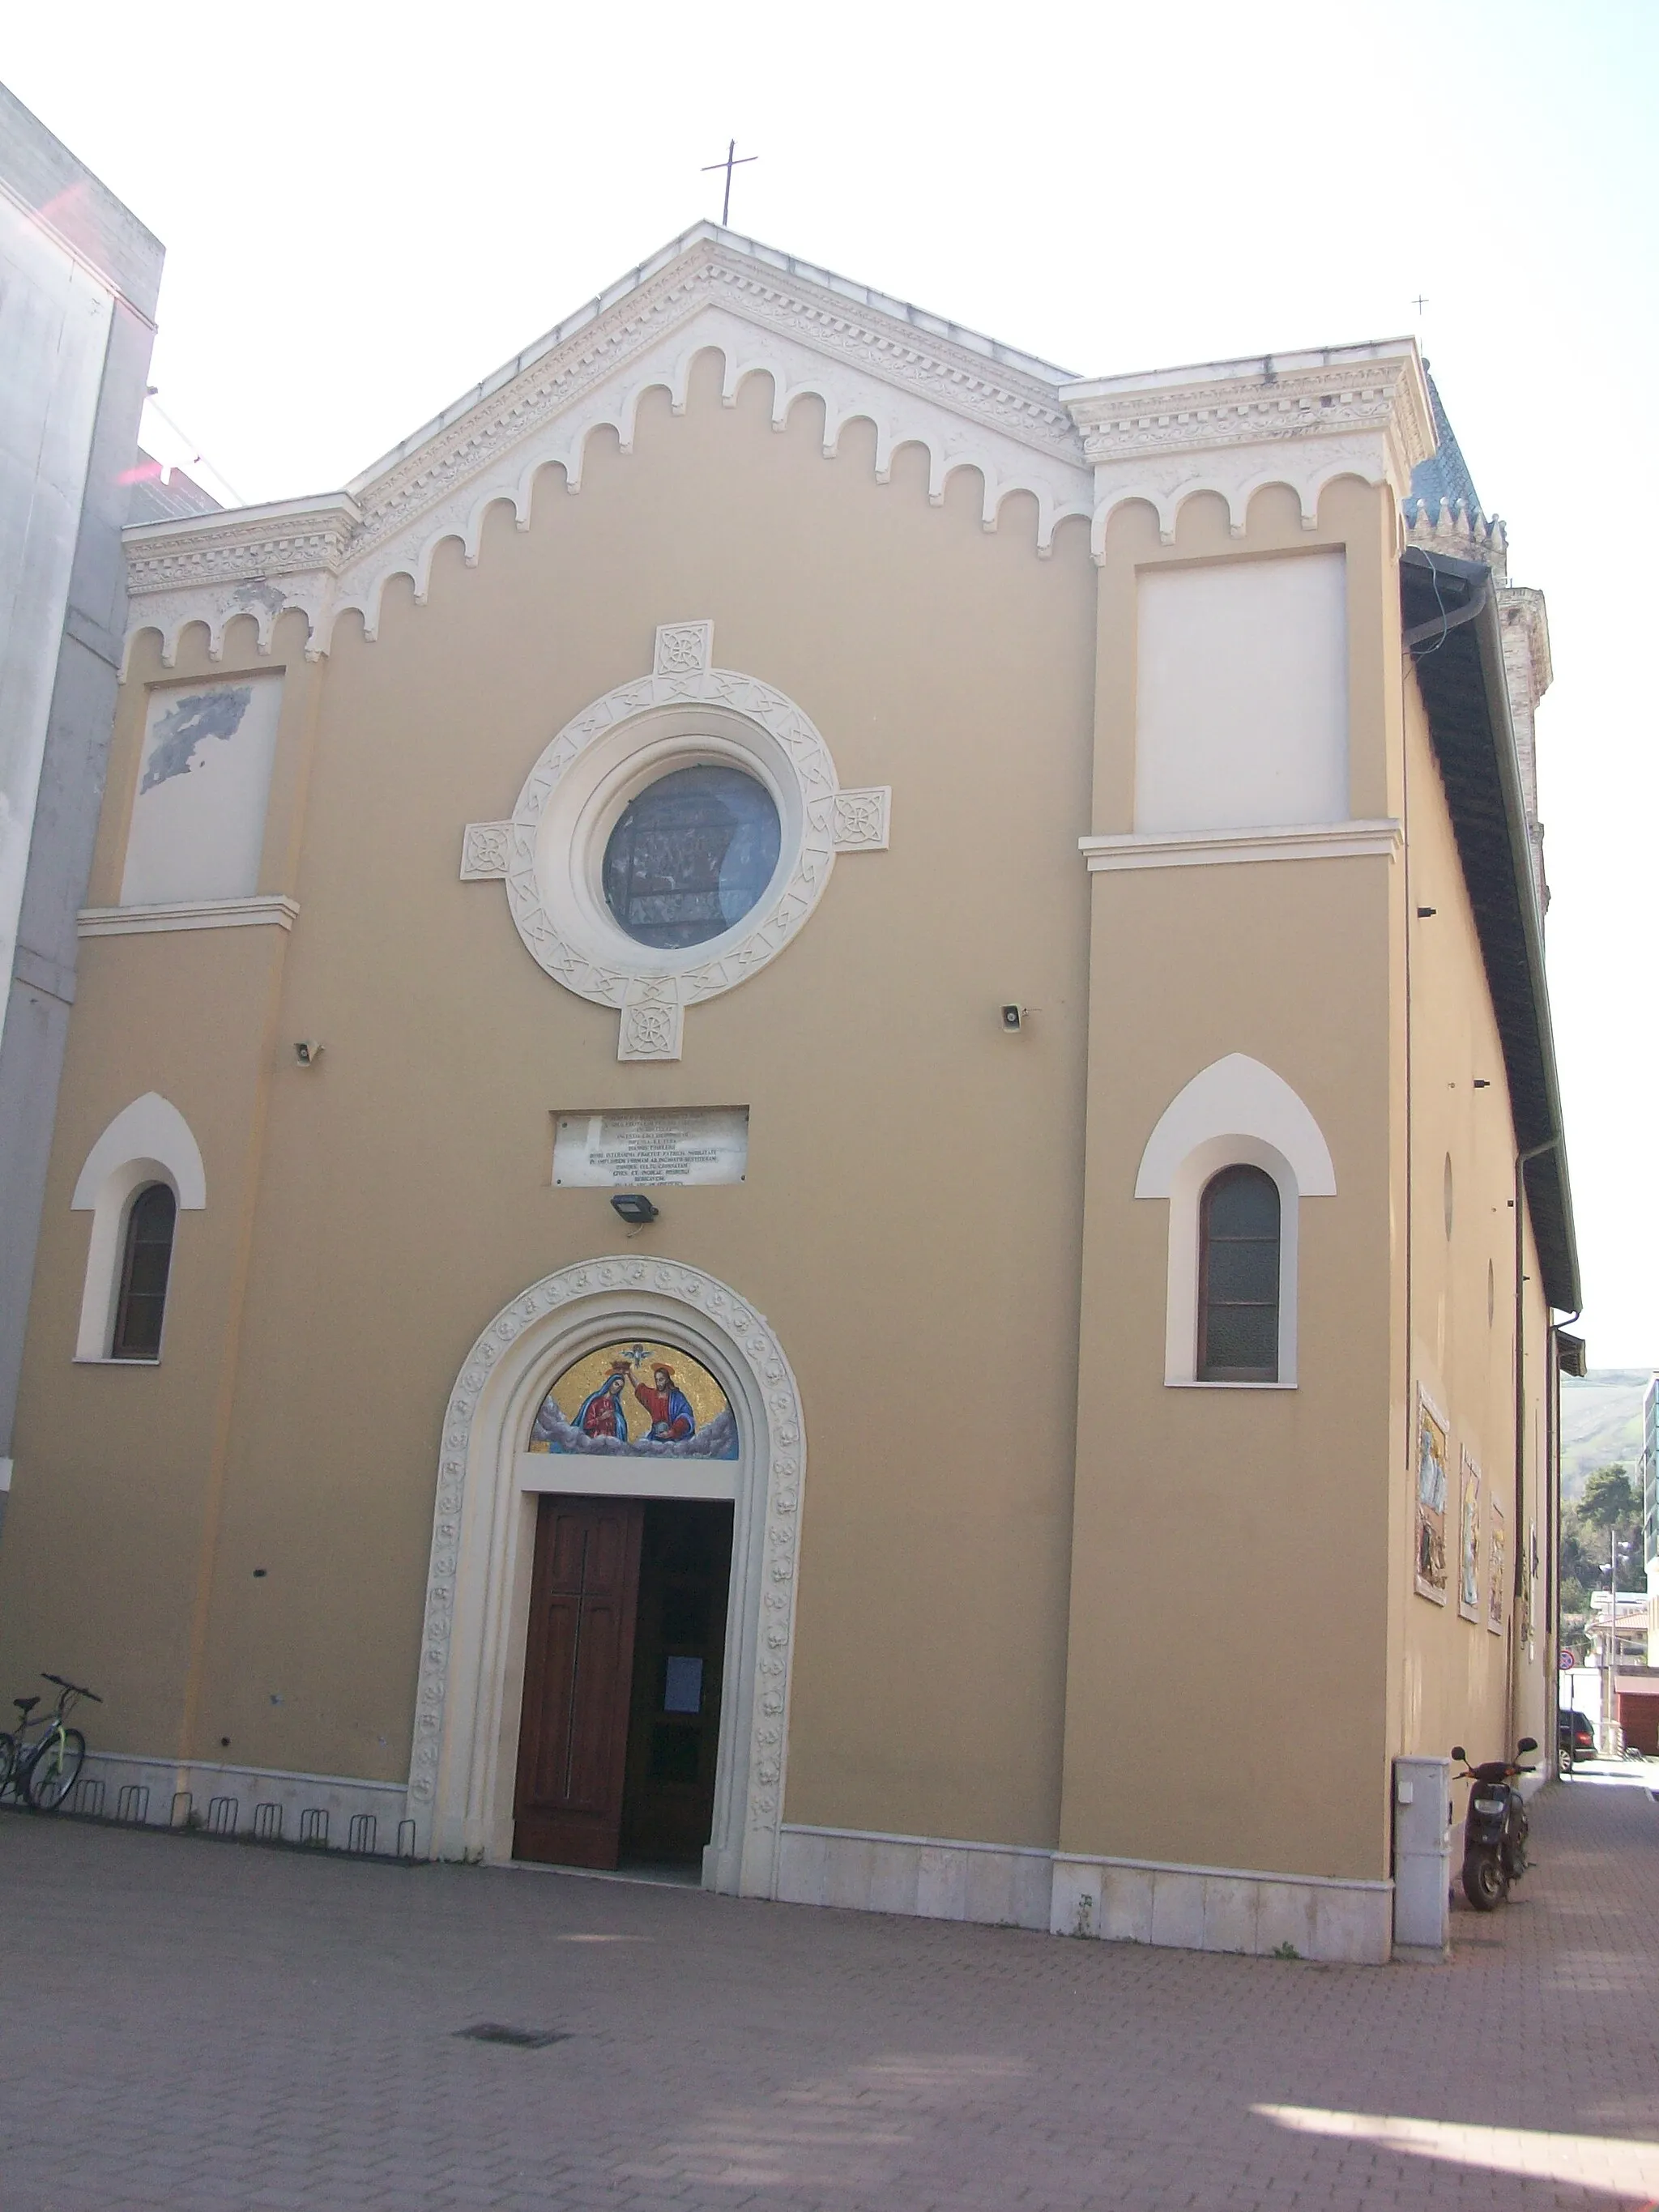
pixel 79 275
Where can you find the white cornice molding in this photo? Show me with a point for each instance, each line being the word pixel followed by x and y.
pixel 297 531
pixel 1229 427
pixel 258 561
pixel 783 300
pixel 1233 427
pixel 921 381
pixel 939 330
pixel 1203 849
pixel 264 912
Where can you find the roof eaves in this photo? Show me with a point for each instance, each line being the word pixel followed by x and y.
pixel 1460 675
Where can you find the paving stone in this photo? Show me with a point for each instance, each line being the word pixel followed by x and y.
pixel 186 2025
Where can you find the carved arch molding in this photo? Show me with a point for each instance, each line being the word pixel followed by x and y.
pixel 470 1644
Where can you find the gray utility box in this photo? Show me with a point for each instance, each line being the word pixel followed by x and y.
pixel 1422 1860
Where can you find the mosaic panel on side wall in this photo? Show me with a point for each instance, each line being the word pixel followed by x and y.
pixel 636 1400
pixel 1433 1446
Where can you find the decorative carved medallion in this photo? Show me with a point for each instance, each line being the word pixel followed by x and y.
pixel 653 1022
pixel 683 648
pixel 485 852
pixel 861 819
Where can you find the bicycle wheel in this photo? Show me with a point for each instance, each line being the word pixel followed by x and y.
pixel 57 1770
pixel 7 1761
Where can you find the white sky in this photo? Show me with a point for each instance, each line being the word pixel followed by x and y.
pixel 367 207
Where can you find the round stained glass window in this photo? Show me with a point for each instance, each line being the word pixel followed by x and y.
pixel 691 855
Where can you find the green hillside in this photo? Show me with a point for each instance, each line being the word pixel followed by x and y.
pixel 1601 1422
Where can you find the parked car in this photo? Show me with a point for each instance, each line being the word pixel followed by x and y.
pixel 1577 1737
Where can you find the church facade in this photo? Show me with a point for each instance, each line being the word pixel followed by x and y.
pixel 811 1135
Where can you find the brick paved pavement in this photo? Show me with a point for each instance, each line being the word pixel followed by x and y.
pixel 187 2025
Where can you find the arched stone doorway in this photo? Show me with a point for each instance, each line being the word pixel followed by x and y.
pixel 467 1711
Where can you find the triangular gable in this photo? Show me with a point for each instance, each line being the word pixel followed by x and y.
pixel 968 401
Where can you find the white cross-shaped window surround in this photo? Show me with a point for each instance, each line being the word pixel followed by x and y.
pixel 548 851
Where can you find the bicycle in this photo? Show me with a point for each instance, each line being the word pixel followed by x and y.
pixel 42 1774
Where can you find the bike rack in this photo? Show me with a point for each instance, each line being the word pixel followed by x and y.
pixel 132 1809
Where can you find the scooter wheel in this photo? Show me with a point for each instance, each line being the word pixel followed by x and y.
pixel 1486 1885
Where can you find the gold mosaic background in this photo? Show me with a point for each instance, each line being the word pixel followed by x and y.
pixel 706 1394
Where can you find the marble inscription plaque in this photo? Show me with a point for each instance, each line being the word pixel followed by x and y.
pixel 654 1144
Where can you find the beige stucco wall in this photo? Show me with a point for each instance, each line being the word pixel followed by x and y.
pixel 909 1225
pixel 1454 1674
pixel 102 1571
pixel 1231 1560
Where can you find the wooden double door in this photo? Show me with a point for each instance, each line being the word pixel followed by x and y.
pixel 620 1730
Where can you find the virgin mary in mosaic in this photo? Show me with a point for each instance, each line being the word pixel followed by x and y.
pixel 636 1400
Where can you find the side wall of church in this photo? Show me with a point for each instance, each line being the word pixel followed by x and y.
pixel 910 1222
pixel 1454 1670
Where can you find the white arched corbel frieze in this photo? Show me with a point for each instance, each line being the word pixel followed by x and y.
pixel 1234 428
pixel 1235 1112
pixel 1306 475
pixel 389 521
pixel 1057 482
pixel 471 1646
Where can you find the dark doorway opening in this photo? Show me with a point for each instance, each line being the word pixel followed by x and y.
pixel 619 1736
pixel 679 1651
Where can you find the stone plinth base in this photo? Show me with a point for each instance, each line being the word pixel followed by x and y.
pixel 1123 1900
pixel 1223 1909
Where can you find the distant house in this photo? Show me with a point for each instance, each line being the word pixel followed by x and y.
pixel 1624 1652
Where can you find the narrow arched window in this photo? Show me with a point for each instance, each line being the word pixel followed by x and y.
pixel 146 1259
pixel 1239 1278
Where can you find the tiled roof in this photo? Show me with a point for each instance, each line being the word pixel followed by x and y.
pixel 1443 480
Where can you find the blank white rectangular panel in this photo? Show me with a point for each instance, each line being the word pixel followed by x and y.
pixel 198 817
pixel 1241 695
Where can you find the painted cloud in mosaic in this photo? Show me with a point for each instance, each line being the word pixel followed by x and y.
pixel 637 1400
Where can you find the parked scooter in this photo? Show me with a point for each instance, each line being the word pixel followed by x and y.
pixel 1495 1831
